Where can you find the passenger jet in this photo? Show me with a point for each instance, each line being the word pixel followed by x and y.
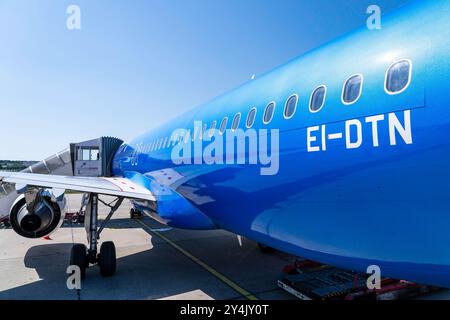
pixel 362 128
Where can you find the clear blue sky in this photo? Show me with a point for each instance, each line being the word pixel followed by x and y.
pixel 135 64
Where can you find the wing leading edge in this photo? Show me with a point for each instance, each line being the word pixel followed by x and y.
pixel 120 187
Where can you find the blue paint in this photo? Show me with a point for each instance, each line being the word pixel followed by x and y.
pixel 386 205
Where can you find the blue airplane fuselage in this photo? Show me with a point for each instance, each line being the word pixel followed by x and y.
pixel 383 201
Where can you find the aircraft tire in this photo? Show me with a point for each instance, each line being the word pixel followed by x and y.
pixel 78 257
pixel 265 249
pixel 107 259
pixel 80 219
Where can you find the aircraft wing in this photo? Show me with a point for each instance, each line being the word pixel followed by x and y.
pixel 120 187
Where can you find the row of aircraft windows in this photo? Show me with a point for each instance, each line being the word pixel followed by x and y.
pixel 397 80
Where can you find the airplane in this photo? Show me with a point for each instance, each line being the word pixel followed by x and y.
pixel 363 125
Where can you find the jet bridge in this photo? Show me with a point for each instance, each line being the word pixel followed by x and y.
pixel 91 158
pixel 94 158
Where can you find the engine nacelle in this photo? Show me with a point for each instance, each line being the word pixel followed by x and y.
pixel 38 213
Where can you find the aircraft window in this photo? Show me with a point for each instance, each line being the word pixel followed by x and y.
pixel 223 125
pixel 194 135
pixel 268 113
pixel 251 118
pixel 173 139
pixel 317 99
pixel 352 89
pixel 202 133
pixel 213 127
pixel 398 77
pixel 236 121
pixel 291 106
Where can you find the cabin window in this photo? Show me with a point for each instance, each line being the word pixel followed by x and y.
pixel 291 106
pixel 196 130
pixel 268 113
pixel 187 136
pixel 223 125
pixel 251 118
pixel 174 139
pixel 317 99
pixel 204 128
pixel 213 127
pixel 398 77
pixel 352 89
pixel 236 121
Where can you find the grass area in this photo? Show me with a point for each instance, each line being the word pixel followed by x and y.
pixel 73 192
pixel 14 166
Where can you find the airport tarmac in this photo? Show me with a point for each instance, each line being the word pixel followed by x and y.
pixel 154 262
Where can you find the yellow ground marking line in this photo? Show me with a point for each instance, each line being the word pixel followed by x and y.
pixel 215 273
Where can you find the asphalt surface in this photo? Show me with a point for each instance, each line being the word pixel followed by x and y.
pixel 154 262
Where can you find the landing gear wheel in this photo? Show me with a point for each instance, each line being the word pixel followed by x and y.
pixel 78 257
pixel 80 219
pixel 265 249
pixel 135 214
pixel 107 259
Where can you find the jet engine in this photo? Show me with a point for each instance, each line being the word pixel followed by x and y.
pixel 38 213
